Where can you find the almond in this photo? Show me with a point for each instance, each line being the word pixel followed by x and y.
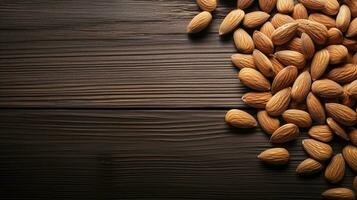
pixel 337 129
pixel 257 99
pixel 329 22
pixel 344 74
pixel 285 6
pixel 321 132
pixel 285 133
pixel 284 33
pixel 339 193
pixel 335 36
pixel 279 102
pixel 353 136
pixel 231 21
pixel 267 29
pixel 254 79
pixel 309 166
pixel 352 4
pixel 277 66
pixel 274 156
pixel 301 87
pixel 352 89
pixel 207 5
pixel 326 89
pixel 267 5
pixel 335 170
pixel 288 57
pixel 263 63
pixel 244 43
pixel 315 108
pixel 199 22
pixel 307 46
pixel 343 18
pixel 243 60
pixel 338 53
pixel 284 79
pixel 346 99
pixel 317 31
pixel 331 7
pixel 243 4
pixel 280 19
pixel 352 29
pixel 319 64
pixel 350 155
pixel 295 45
pixel 263 43
pixel 300 12
pixel 298 117
pixel 254 19
pixel 267 123
pixel 314 4
pixel 350 44
pixel 341 113
pixel 240 119
pixel 317 150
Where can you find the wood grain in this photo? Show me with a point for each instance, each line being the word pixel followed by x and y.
pixel 141 154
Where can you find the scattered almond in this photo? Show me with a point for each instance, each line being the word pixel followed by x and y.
pixel 243 60
pixel 199 22
pixel 321 132
pixel 285 133
pixel 307 46
pixel 317 31
pixel 231 21
pixel 207 5
pixel 267 123
pixel 254 79
pixel 329 22
pixel 331 7
pixel 267 29
pixel 288 57
pixel 274 156
pixel 254 19
pixel 279 102
pixel 284 79
pixel 298 117
pixel 263 43
pixel 317 150
pixel 352 29
pixel 335 170
pixel 338 53
pixel 240 119
pixel 326 88
pixel 337 129
pixel 244 43
pixel 319 63
pixel 300 12
pixel 343 18
pixel 314 4
pixel 263 63
pixel 284 33
pixel 341 113
pixel 280 19
pixel 285 6
pixel 315 108
pixel 350 155
pixel 339 194
pixel 257 99
pixel 309 166
pixel 267 5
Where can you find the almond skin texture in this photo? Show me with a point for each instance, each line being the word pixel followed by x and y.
pixel 317 150
pixel 263 43
pixel 317 31
pixel 231 21
pixel 240 119
pixel 263 63
pixel 267 5
pixel 315 108
pixel 275 156
pixel 243 4
pixel 285 133
pixel 301 87
pixel 344 74
pixel 288 57
pixel 284 78
pixel 338 53
pixel 309 167
pixel 335 36
pixel 353 136
pixel 352 89
pixel 298 117
pixel 257 99
pixel 339 194
pixel 331 7
pixel 319 64
pixel 346 99
pixel 255 19
pixel 279 102
pixel 335 170
pixel 280 19
pixel 314 4
pixel 254 79
pixel 295 45
pixel 244 43
pixel 307 46
pixel 343 18
pixel 321 132
pixel 300 12
pixel 329 22
pixel 243 60
pixel 284 33
pixel 207 5
pixel 337 129
pixel 341 113
pixel 267 123
pixel 199 22
pixel 352 29
pixel 326 88
pixel 285 6
pixel 267 29
pixel 277 66
pixel 350 155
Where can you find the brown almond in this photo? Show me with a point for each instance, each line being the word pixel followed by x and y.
pixel 335 170
pixel 331 7
pixel 307 46
pixel 338 53
pixel 337 129
pixel 284 78
pixel 267 5
pixel 298 117
pixel 267 29
pixel 341 113
pixel 344 74
pixel 343 18
pixel 350 155
pixel 301 87
pixel 285 133
pixel 346 99
pixel 335 36
pixel 280 19
pixel 352 29
pixel 255 19
pixel 319 64
pixel 352 89
pixel 295 45
pixel 314 4
pixel 353 136
pixel 315 108
pixel 256 99
pixel 243 4
pixel 263 63
pixel 326 88
pixel 277 66
pixel 231 21
pixel 317 31
pixel 199 22
pixel 329 22
pixel 244 43
pixel 339 194
pixel 254 79
pixel 300 12
pixel 275 156
pixel 288 57
pixel 267 123
pixel 240 119
pixel 321 132
pixel 263 43
pixel 279 102
pixel 243 60
pixel 317 150
pixel 309 166
pixel 284 33
pixel 207 5
pixel 352 4
pixel 285 6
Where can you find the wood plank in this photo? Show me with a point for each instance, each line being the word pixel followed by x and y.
pixel 128 53
pixel 141 154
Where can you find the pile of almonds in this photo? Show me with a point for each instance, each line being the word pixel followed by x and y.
pixel 301 65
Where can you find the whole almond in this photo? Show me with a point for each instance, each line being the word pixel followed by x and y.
pixel 309 166
pixel 285 6
pixel 244 43
pixel 338 53
pixel 343 18
pixel 284 33
pixel 285 133
pixel 341 113
pixel 288 57
pixel 339 194
pixel 352 29
pixel 317 150
pixel 352 89
pixel 263 63
pixel 321 132
pixel 254 79
pixel 344 74
pixel 353 136
pixel 329 22
pixel 199 22
pixel 319 64
pixel 352 4
pixel 331 7
pixel 231 21
pixel 207 5
pixel 277 66
pixel 335 36
pixel 254 19
pixel 267 29
pixel 300 12
pixel 315 108
pixel 317 31
pixel 335 170
pixel 243 60
pixel 314 4
pixel 298 117
pixel 243 4
pixel 267 5
pixel 280 19
pixel 267 123
pixel 279 102
pixel 301 87
pixel 240 119
pixel 350 155
pixel 263 43
pixel 256 99
pixel 337 129
pixel 284 78
pixel 295 45
pixel 307 46
pixel 274 156
pixel 326 88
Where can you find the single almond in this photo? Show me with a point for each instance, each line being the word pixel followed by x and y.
pixel 317 31
pixel 255 19
pixel 301 87
pixel 343 18
pixel 243 60
pixel 279 102
pixel 341 113
pixel 298 117
pixel 321 132
pixel 353 136
pixel 352 29
pixel 307 46
pixel 263 63
pixel 352 4
pixel 335 36
pixel 352 89
pixel 339 194
pixel 326 88
pixel 335 170
pixel 257 99
pixel 244 43
pixel 314 4
pixel 284 78
pixel 267 5
pixel 285 6
pixel 344 74
pixel 285 133
pixel 199 22
pixel 263 43
pixel 207 5
pixel 277 66
pixel 319 64
pixel 317 150
pixel 288 57
pixel 315 108
pixel 284 33
pixel 295 45
pixel 231 21
pixel 300 12
pixel 243 4
pixel 267 123
pixel 337 129
pixel 267 29
pixel 350 155
pixel 275 156
pixel 254 79
pixel 331 7
pixel 329 22
pixel 309 166
pixel 280 19
pixel 338 53
pixel 240 119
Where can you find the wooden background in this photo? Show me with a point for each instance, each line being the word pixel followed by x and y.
pixel 110 99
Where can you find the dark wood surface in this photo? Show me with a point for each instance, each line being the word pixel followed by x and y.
pixel 112 100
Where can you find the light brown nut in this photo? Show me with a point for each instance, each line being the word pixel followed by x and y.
pixel 295 44
pixel 328 21
pixel 231 21
pixel 207 5
pixel 277 66
pixel 243 60
pixel 288 57
pixel 341 113
pixel 301 87
pixel 335 170
pixel 343 18
pixel 263 43
pixel 346 99
pixel 352 4
pixel 300 12
pixel 353 136
pixel 298 117
pixel 256 99
pixel 315 108
pixel 335 36
pixel 307 46
pixel 254 79
pixel 267 123
pixel 285 6
pixel 285 78
pixel 331 7
pixel 314 4
pixel 339 194
pixel 317 150
pixel 280 19
pixel 267 5
pixel 285 133
pixel 352 29
pixel 255 19
pixel 243 42
pixel 275 156
pixel 279 102
pixel 319 64
pixel 337 129
pixel 321 132
pixel 284 33
pixel 352 89
pixel 338 53
pixel 240 119
pixel 243 4
pixel 267 29
pixel 199 22
pixel 263 63
pixel 326 88
pixel 350 155
pixel 317 31
pixel 309 166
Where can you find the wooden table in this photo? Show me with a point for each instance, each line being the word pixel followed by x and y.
pixel 110 99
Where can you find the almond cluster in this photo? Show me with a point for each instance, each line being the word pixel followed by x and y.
pixel 301 66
